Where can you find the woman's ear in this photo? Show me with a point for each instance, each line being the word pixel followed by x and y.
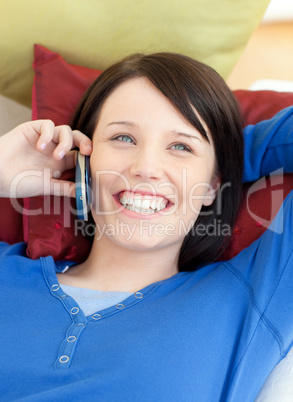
pixel 212 191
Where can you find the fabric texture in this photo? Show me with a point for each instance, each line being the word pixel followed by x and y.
pixel 170 327
pixel 264 143
pixel 58 86
pixel 97 33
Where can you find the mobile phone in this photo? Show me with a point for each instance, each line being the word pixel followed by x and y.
pixel 83 186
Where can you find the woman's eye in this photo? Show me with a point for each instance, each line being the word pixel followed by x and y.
pixel 123 138
pixel 181 147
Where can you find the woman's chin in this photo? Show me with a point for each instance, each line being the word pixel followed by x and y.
pixel 135 243
pixel 143 242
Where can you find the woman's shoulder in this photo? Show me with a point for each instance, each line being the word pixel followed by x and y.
pixel 14 260
pixel 18 249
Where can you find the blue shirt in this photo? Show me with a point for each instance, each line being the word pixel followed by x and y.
pixel 210 335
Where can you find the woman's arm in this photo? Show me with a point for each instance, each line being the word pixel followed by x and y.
pixel 34 155
pixel 269 146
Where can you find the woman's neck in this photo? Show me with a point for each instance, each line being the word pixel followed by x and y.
pixel 111 267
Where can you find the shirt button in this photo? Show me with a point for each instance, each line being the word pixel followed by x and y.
pixel 55 287
pixel 138 295
pixel 64 359
pixel 96 316
pixel 74 310
pixel 120 306
pixel 71 339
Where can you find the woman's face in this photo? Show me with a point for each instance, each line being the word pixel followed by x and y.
pixel 151 170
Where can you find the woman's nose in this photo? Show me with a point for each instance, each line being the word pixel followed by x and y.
pixel 147 164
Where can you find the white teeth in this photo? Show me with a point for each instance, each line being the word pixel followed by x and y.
pixel 130 200
pixel 153 204
pixel 137 203
pixel 142 204
pixel 139 210
pixel 162 203
pixel 145 204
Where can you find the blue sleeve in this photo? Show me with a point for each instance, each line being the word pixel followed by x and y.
pixel 15 249
pixel 265 269
pixel 269 146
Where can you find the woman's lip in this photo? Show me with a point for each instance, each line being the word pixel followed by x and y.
pixel 136 215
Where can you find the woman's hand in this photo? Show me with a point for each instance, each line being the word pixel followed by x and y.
pixel 35 154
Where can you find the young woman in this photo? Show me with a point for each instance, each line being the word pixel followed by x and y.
pixel 149 314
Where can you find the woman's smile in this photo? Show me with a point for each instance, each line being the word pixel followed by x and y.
pixel 141 204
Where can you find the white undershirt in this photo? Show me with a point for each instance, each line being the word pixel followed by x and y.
pixel 91 301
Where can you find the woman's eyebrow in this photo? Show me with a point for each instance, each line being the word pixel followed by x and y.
pixel 180 134
pixel 123 123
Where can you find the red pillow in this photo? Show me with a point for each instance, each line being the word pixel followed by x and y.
pixel 50 228
pixel 262 105
pixel 11 228
pixel 58 86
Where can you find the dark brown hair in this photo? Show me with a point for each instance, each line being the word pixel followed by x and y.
pixel 186 83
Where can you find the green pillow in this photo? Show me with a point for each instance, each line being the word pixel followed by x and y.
pixel 97 33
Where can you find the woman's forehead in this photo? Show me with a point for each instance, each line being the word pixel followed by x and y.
pixel 140 91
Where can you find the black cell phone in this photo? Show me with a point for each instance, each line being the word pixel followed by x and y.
pixel 83 187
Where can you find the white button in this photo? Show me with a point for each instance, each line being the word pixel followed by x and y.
pixel 120 306
pixel 64 359
pixel 55 287
pixel 96 316
pixel 65 269
pixel 138 295
pixel 74 310
pixel 71 339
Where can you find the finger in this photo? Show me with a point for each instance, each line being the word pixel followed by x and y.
pixel 83 142
pixel 45 128
pixel 63 136
pixel 67 139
